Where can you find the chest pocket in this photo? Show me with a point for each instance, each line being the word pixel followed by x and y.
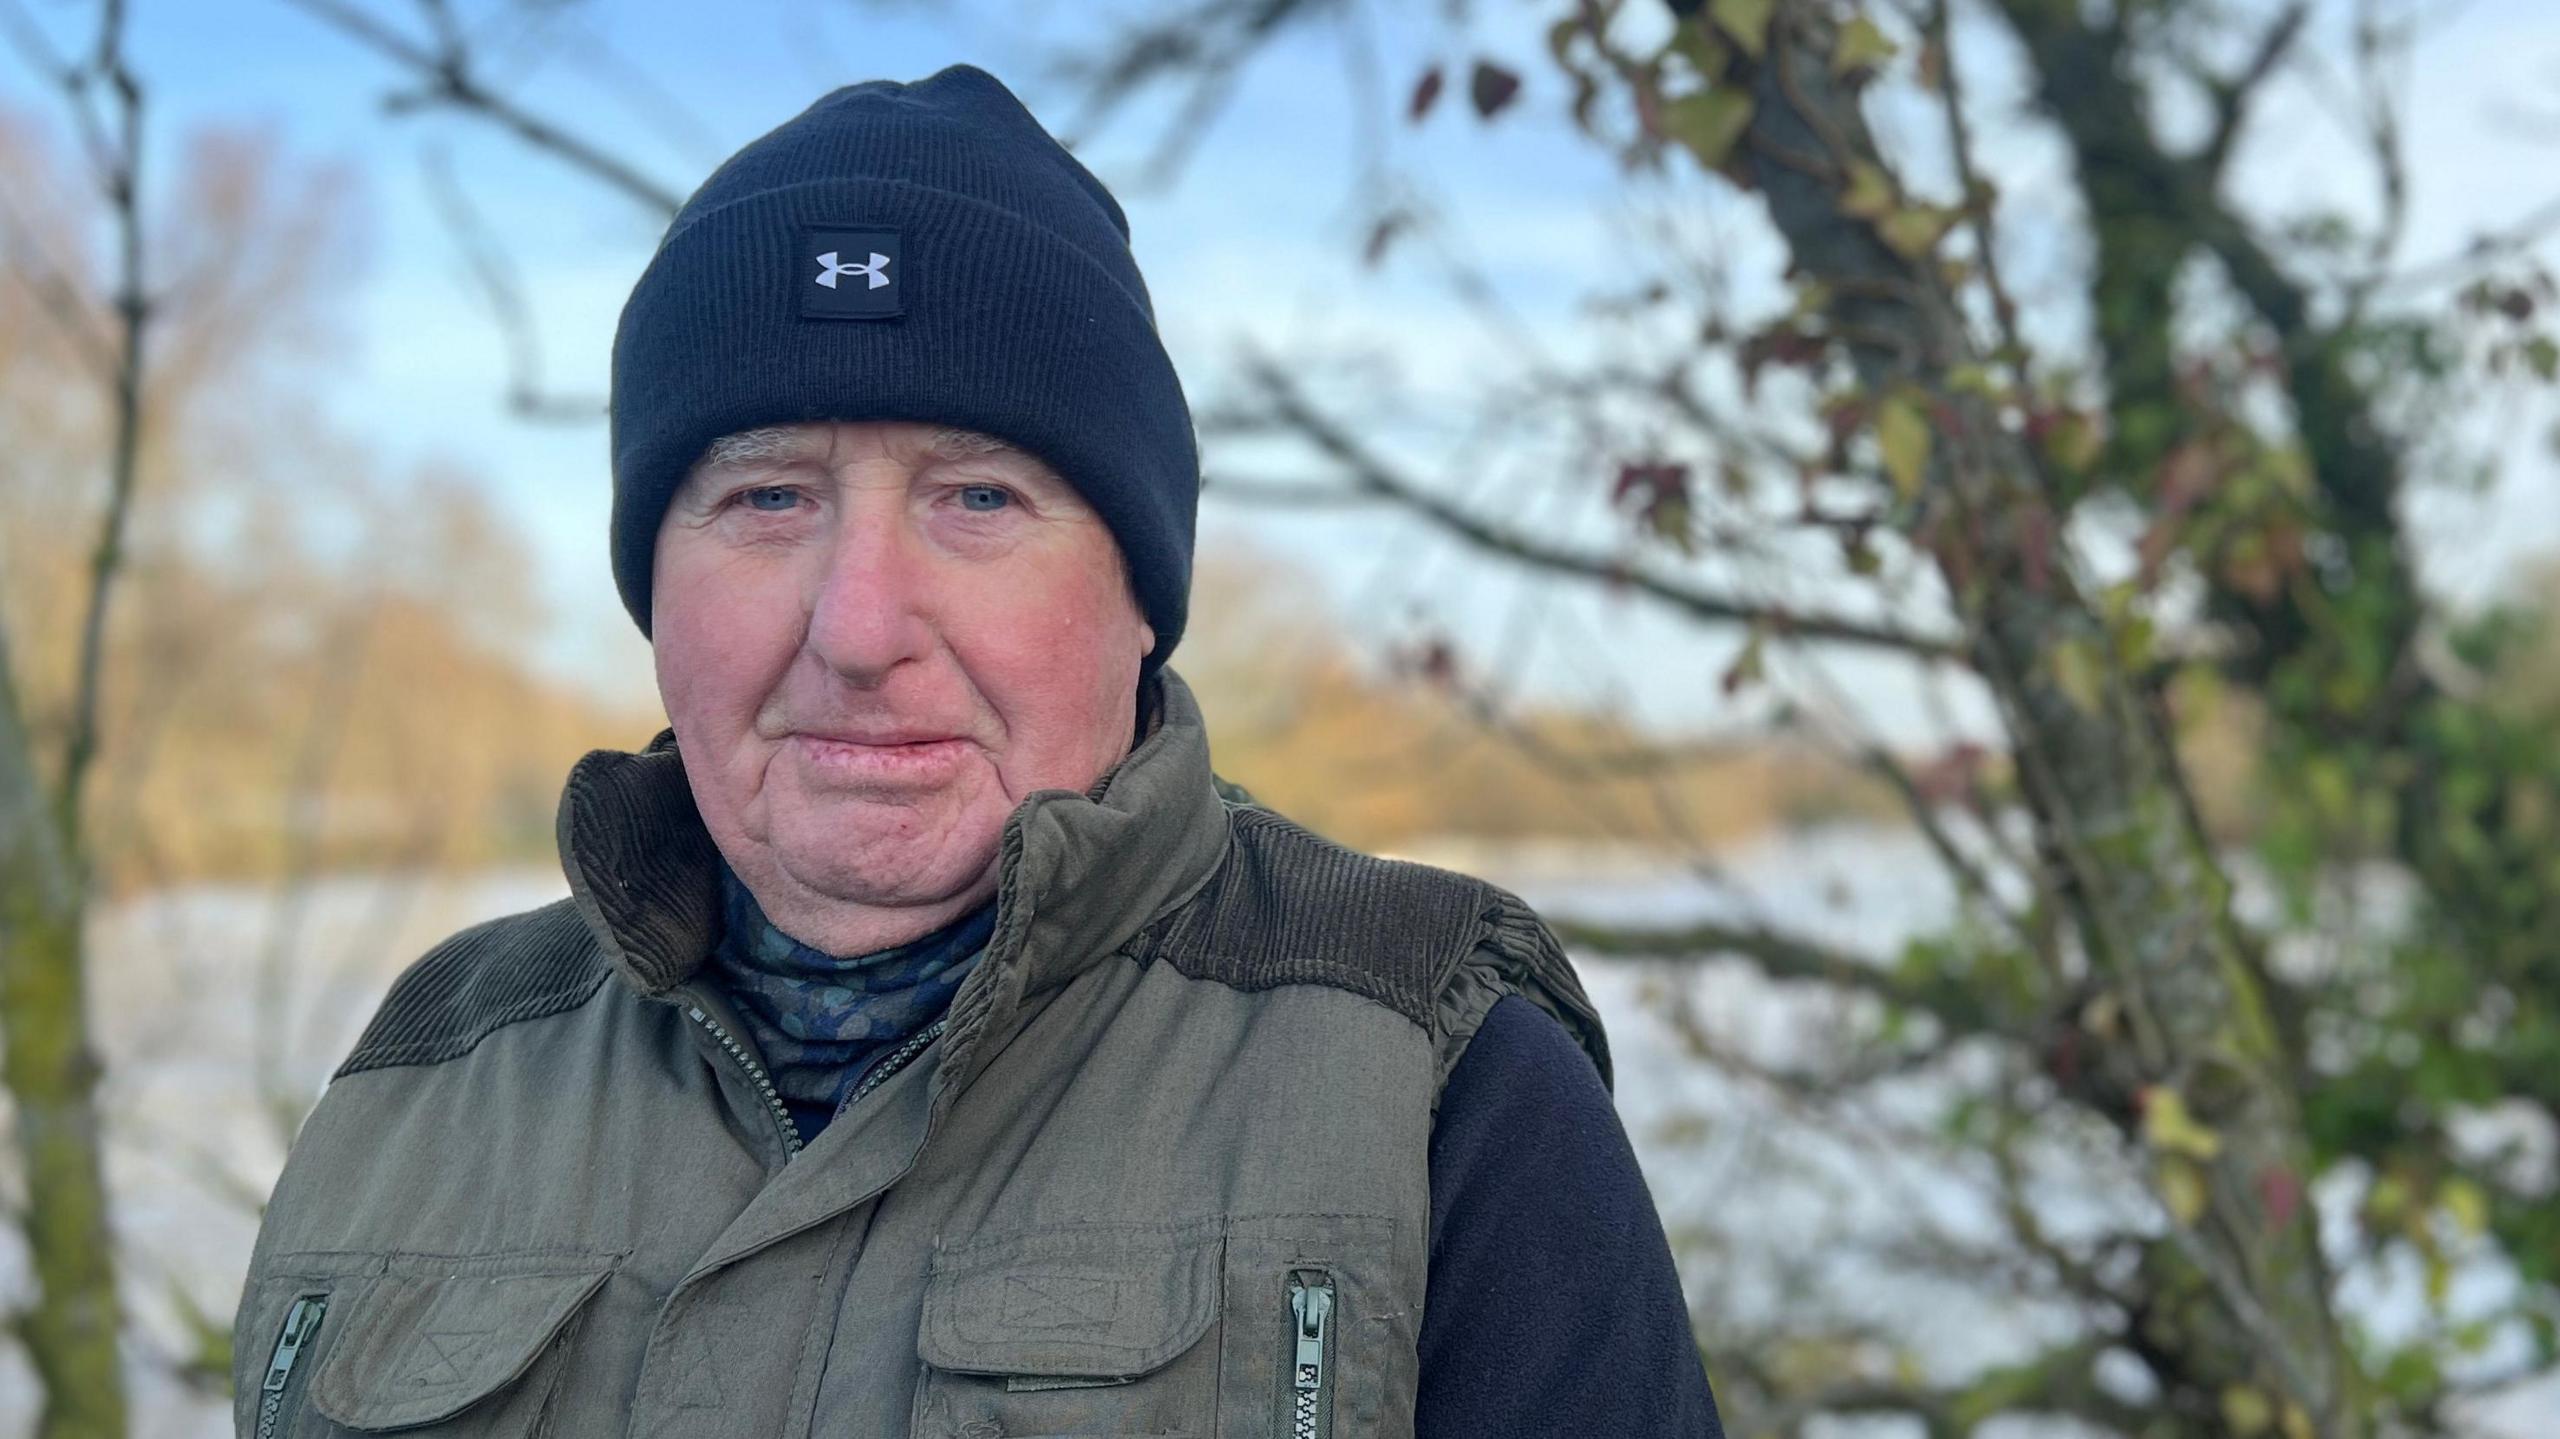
pixel 1072 1330
pixel 430 1345
pixel 1238 1327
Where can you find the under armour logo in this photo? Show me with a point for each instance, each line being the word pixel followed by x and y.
pixel 844 254
pixel 830 269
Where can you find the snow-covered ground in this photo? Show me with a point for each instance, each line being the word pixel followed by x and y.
pixel 198 991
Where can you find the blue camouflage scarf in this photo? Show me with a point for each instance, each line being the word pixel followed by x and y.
pixel 822 1021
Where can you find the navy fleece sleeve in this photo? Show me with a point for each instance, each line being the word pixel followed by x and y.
pixel 1552 1306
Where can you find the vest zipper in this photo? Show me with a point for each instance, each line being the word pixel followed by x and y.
pixel 764 1082
pixel 895 1060
pixel 300 1323
pixel 1311 1349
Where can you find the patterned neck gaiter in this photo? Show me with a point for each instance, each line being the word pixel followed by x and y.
pixel 822 1021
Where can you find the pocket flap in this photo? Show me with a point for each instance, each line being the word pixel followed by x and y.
pixel 1071 1301
pixel 431 1336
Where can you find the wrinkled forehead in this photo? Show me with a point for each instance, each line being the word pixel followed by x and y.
pixel 778 445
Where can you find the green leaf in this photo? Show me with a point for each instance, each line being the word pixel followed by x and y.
pixel 2073 442
pixel 1915 231
pixel 2469 1207
pixel 1870 192
pixel 1669 520
pixel 2247 1412
pixel 1747 21
pixel 2542 355
pixel 2181 1188
pixel 1705 51
pixel 2170 1128
pixel 2079 674
pixel 1861 46
pixel 1975 379
pixel 1902 432
pixel 1708 122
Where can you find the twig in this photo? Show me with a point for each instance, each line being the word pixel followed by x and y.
pixel 1977 207
pixel 497 278
pixel 55 293
pixel 1787 957
pixel 448 78
pixel 2231 96
pixel 2382 127
pixel 1211 39
pixel 1374 475
pixel 121 180
pixel 290 914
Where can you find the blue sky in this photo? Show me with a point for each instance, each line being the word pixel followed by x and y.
pixel 1259 238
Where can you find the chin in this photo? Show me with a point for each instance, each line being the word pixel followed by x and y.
pixel 879 863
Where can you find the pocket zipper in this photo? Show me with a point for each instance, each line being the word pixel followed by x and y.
pixel 300 1323
pixel 1310 1402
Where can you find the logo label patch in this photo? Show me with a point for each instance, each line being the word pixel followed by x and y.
pixel 850 274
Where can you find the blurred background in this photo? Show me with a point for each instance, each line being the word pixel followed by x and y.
pixel 1988 562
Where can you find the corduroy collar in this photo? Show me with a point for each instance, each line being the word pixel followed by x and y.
pixel 1078 874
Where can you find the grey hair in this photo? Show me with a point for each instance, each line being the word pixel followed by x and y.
pixel 768 441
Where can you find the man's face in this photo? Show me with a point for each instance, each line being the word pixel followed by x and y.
pixel 874 639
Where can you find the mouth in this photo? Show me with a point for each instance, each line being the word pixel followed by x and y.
pixel 896 757
pixel 877 738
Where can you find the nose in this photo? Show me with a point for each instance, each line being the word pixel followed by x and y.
pixel 871 610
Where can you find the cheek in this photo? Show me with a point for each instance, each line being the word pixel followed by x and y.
pixel 721 634
pixel 1064 643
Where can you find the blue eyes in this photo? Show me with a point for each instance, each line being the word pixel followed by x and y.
pixel 782 499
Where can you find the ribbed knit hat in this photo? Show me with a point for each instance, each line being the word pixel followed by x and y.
pixel 920 251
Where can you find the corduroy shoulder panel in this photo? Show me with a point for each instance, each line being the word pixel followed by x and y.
pixel 1519 955
pixel 1292 907
pixel 517 967
pixel 1438 947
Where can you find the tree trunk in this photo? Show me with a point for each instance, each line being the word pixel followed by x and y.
pixel 70 1330
pixel 2177 1004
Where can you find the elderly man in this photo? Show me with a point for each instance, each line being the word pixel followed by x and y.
pixel 929 1045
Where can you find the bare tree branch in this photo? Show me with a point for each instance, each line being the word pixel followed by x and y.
pixel 121 178
pixel 55 294
pixel 496 275
pixel 2232 97
pixel 1788 957
pixel 1209 42
pixel 1940 28
pixel 46 277
pixel 1370 474
pixel 447 78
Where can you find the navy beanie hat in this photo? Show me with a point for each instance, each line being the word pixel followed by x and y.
pixel 920 251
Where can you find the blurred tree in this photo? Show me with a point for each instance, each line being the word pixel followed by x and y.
pixel 228 647
pixel 2198 510
pixel 71 1328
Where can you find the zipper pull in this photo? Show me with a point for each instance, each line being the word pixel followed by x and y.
pixel 1311 1303
pixel 300 1323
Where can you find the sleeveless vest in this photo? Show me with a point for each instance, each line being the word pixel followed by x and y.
pixel 1163 1171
